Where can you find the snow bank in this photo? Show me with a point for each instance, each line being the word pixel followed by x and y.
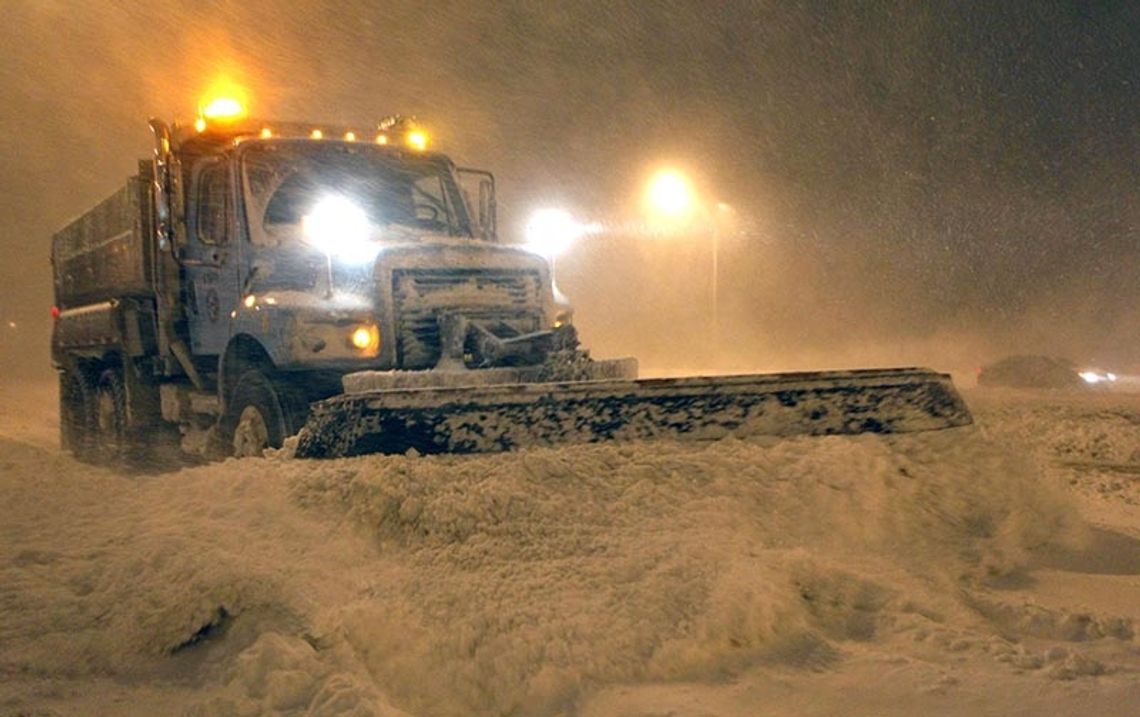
pixel 1090 440
pixel 205 578
pixel 1066 426
pixel 533 582
pixel 531 576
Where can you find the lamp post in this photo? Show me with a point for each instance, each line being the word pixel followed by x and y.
pixel 715 282
pixel 722 213
pixel 673 205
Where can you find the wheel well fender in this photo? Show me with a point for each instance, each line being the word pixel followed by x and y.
pixel 88 368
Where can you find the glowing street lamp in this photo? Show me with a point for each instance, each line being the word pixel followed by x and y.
pixel 670 199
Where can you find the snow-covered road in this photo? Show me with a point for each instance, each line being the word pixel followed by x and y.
pixel 987 570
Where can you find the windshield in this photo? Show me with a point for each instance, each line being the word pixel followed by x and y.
pixel 285 180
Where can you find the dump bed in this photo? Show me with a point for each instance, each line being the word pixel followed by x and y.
pixel 107 252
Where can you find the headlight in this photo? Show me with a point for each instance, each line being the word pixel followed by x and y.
pixel 1094 377
pixel 551 231
pixel 338 227
pixel 366 339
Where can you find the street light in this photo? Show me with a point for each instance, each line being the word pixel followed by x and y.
pixel 673 205
pixel 670 200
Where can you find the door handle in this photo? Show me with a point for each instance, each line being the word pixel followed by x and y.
pixel 216 261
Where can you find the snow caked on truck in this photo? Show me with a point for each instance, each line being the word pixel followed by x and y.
pixel 257 279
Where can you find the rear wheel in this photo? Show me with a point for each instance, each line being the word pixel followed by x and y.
pixel 76 415
pixel 110 417
pixel 255 418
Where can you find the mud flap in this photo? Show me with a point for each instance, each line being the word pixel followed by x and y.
pixel 486 419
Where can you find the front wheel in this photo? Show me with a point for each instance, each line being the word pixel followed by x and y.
pixel 255 418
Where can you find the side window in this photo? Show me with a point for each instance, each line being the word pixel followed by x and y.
pixel 430 202
pixel 289 201
pixel 213 205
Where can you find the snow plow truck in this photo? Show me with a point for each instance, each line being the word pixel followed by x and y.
pixel 256 280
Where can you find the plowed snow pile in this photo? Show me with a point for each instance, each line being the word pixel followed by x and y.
pixel 866 575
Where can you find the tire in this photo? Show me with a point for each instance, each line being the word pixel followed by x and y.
pixel 76 415
pixel 109 409
pixel 254 419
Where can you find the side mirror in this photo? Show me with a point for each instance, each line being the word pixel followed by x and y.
pixel 163 228
pixel 485 209
pixel 167 188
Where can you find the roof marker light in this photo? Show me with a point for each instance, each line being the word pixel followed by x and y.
pixel 350 136
pixel 417 139
pixel 223 108
pixel 381 139
pixel 266 133
pixel 316 134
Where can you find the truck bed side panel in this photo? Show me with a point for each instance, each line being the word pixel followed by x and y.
pixel 105 253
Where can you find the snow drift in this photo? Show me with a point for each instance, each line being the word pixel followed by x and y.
pixel 531 577
pixel 529 583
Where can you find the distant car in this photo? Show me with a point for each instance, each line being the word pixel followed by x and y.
pixel 1031 372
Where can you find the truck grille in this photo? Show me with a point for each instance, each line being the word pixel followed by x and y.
pixel 505 298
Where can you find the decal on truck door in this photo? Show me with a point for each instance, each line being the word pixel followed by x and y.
pixel 213 304
pixel 213 267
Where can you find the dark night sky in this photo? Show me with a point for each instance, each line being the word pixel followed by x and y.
pixel 908 171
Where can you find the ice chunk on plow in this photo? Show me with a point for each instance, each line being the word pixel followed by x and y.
pixel 484 419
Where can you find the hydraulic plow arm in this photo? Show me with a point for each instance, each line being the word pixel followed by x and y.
pixel 495 418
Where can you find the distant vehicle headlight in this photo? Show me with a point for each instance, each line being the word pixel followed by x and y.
pixel 1094 377
pixel 340 228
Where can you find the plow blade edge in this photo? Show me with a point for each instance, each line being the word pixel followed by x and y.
pixel 483 419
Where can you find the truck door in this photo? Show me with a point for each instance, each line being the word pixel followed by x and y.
pixel 211 259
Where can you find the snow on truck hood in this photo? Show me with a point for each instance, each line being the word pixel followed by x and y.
pixel 428 249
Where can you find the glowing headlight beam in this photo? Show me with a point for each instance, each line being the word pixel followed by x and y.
pixel 550 232
pixel 339 227
pixel 1094 377
pixel 365 338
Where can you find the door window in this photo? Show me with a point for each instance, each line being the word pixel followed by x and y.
pixel 213 205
